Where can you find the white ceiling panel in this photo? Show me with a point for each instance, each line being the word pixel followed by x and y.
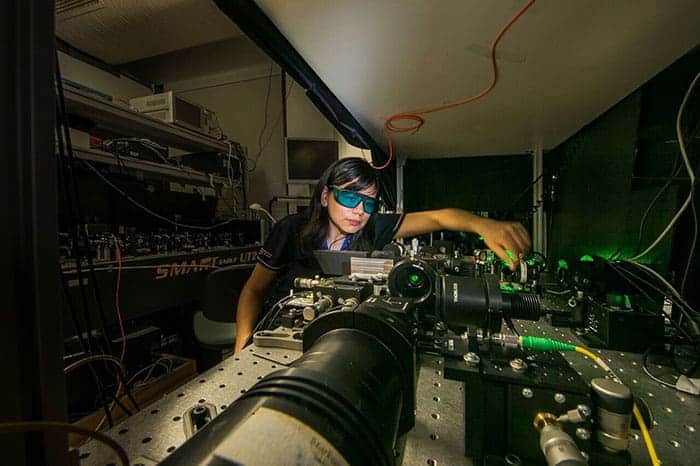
pixel 120 31
pixel 560 66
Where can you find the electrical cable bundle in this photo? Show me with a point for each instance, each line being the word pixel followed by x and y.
pixel 66 165
pixel 689 169
pixel 687 329
pixel 646 280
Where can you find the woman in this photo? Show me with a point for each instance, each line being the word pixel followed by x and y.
pixel 343 215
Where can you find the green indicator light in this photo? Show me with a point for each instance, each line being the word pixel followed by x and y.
pixel 481 238
pixel 563 264
pixel 414 278
pixel 628 303
pixel 531 262
pixel 586 258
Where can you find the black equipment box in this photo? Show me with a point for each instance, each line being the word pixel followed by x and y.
pixel 502 402
pixel 216 163
pixel 619 329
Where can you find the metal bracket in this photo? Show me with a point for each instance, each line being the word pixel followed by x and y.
pixel 281 337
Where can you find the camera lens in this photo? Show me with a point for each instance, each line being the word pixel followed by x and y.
pixel 410 279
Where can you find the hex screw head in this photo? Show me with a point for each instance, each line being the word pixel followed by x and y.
pixel 472 359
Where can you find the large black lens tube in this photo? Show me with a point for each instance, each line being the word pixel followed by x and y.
pixel 349 388
pixel 478 302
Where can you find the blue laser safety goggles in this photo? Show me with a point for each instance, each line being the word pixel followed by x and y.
pixel 351 199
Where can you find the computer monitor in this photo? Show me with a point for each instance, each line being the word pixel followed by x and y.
pixel 307 159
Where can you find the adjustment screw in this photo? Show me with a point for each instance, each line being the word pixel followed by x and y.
pixel 528 393
pixel 584 410
pixel 472 359
pixel 560 398
pixel 583 434
pixel 518 365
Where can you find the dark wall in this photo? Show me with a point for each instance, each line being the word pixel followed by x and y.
pixel 494 184
pixel 598 207
pixel 611 169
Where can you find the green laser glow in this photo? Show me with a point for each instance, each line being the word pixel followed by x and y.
pixel 510 254
pixel 619 300
pixel 586 258
pixel 563 264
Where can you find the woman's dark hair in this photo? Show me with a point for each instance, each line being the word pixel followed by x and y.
pixel 360 174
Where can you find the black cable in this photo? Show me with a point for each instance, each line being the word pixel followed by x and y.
pixel 620 271
pixel 69 194
pixel 692 247
pixel 74 239
pixel 244 179
pixel 84 345
pixel 149 211
pixel 270 316
pixel 686 372
pixel 523 192
pixel 511 326
pixel 127 390
pixel 677 298
pixel 61 118
pixel 267 107
pixel 272 130
pixel 118 402
pixel 679 304
pixel 647 371
pixel 105 408
pixel 65 193
pixel 674 172
pixel 264 127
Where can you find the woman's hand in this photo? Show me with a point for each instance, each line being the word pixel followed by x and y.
pixel 500 237
pixel 509 240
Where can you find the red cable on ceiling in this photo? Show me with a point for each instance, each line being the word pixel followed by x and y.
pixel 414 117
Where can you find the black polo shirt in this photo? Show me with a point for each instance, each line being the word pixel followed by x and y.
pixel 281 252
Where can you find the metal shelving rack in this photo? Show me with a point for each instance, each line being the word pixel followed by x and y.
pixel 172 171
pixel 119 119
pixel 122 120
